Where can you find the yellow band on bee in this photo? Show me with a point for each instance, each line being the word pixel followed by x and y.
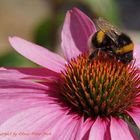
pixel 125 49
pixel 100 36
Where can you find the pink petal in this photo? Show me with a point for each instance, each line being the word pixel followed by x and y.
pixel 17 95
pixel 99 129
pixel 28 73
pixel 33 120
pixel 78 129
pixel 62 126
pixel 2 68
pixel 75 33
pixel 75 135
pixel 19 86
pixel 136 55
pixel 23 89
pixel 10 107
pixel 86 129
pixel 119 130
pixel 69 127
pixel 43 72
pixel 13 74
pixel 135 114
pixel 38 54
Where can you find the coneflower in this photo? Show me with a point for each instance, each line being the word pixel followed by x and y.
pixel 70 99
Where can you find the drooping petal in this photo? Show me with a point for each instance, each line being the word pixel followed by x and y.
pixel 28 73
pixel 136 55
pixel 13 74
pixel 135 114
pixel 119 130
pixel 33 121
pixel 78 129
pixel 86 128
pixel 69 127
pixel 38 54
pixel 10 107
pixel 75 33
pixel 99 130
pixel 17 95
pixel 11 86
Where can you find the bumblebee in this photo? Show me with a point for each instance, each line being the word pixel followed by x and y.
pixel 112 41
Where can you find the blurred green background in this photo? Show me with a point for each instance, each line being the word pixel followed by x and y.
pixel 40 21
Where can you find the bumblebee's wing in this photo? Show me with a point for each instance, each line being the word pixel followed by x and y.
pixel 110 30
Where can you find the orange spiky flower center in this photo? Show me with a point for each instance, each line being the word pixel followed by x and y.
pixel 102 87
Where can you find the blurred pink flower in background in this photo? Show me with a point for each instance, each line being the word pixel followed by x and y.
pixel 52 103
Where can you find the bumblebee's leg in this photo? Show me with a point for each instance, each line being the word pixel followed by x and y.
pixel 93 55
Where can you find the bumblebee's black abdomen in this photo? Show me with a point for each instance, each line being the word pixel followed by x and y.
pixel 125 44
pixel 123 40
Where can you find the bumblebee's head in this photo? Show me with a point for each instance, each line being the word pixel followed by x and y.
pixel 126 57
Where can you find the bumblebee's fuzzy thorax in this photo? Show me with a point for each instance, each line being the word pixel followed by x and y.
pixel 100 40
